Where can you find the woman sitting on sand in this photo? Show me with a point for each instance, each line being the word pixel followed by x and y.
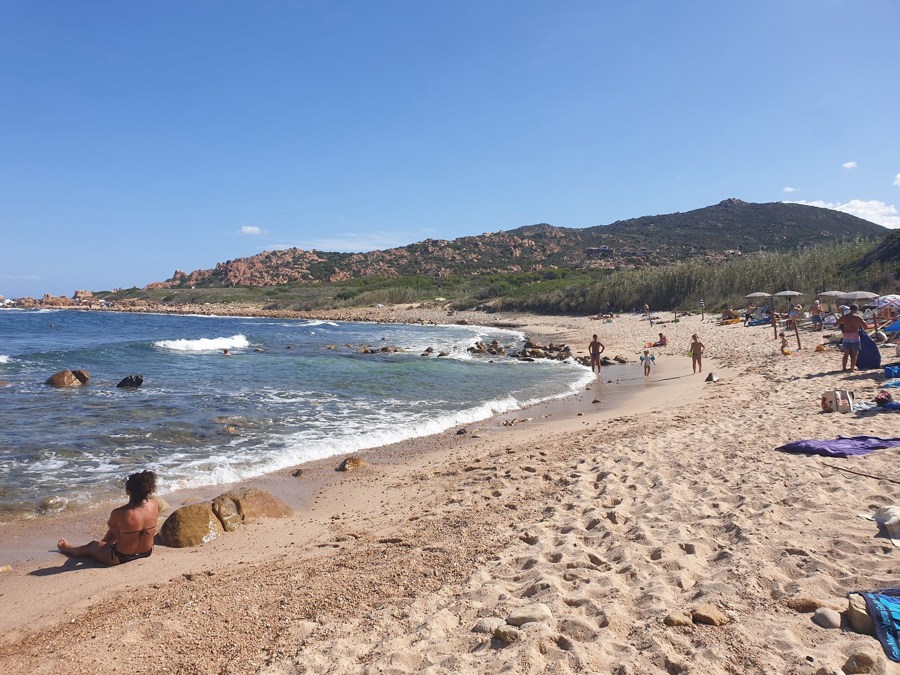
pixel 131 527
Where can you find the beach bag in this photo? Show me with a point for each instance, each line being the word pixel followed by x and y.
pixel 837 400
pixel 882 398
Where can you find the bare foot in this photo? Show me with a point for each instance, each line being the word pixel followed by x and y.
pixel 64 546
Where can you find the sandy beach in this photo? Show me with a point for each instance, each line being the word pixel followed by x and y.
pixel 612 522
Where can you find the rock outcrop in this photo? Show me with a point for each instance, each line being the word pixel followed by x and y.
pixel 202 522
pixel 190 525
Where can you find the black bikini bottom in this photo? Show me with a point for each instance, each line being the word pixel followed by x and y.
pixel 128 557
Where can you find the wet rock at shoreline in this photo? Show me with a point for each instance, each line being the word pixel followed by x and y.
pixel 351 464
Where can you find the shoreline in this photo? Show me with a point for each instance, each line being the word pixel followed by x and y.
pixel 402 317
pixel 617 394
pixel 613 519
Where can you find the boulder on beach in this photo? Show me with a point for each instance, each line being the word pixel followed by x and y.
pixel 190 525
pixel 253 503
pixel 201 522
pixel 68 378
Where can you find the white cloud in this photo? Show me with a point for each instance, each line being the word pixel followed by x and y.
pixel 897 180
pixel 874 211
pixel 849 165
pixel 790 189
pixel 250 229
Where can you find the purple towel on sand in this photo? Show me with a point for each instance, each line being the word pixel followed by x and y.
pixel 842 446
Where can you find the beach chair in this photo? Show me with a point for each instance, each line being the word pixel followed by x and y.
pixel 760 317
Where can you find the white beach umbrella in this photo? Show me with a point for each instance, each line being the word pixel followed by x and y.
pixel 831 294
pixel 786 294
pixel 856 296
pixel 758 294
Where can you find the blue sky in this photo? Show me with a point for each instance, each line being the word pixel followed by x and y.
pixel 143 137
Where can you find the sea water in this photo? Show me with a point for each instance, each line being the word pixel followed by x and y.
pixel 291 391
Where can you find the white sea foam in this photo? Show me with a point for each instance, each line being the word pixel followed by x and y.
pixel 309 445
pixel 204 344
pixel 316 322
pixel 4 358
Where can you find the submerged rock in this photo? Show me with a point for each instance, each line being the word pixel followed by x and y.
pixel 69 378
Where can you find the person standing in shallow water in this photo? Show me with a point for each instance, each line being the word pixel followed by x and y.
pixel 131 528
pixel 595 349
pixel 697 349
pixel 647 359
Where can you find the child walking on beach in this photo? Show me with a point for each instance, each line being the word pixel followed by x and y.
pixel 784 344
pixel 647 358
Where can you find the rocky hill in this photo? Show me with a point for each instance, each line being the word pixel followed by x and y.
pixel 728 228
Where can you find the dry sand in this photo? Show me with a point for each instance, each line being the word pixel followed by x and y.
pixel 613 518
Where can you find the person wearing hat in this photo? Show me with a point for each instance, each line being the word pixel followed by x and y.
pixel 817 315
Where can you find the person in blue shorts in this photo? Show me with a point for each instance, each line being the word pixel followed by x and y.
pixel 817 315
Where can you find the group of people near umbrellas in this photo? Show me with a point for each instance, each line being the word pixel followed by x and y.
pixel 849 320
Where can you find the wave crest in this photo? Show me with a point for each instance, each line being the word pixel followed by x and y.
pixel 204 344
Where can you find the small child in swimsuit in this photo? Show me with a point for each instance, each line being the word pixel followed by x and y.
pixel 647 358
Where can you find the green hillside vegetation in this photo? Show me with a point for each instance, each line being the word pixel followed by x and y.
pixel 858 264
pixel 718 231
pixel 718 253
pixel 681 286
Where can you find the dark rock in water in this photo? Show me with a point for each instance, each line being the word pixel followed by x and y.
pixel 132 381
pixel 69 378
